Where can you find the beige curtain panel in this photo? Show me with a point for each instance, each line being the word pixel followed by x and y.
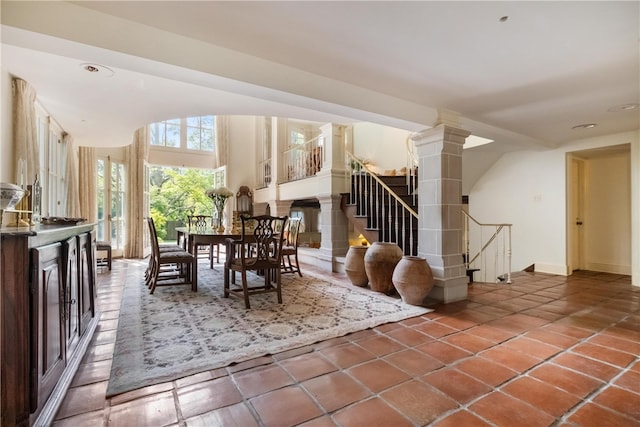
pixel 88 175
pixel 25 137
pixel 71 179
pixel 137 205
pixel 222 141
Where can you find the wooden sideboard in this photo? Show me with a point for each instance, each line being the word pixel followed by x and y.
pixel 48 316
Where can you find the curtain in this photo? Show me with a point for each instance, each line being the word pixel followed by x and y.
pixel 222 141
pixel 25 137
pixel 71 180
pixel 87 192
pixel 137 155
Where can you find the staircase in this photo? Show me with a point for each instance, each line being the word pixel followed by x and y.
pixel 383 209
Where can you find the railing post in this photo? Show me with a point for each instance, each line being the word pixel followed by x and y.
pixel 509 256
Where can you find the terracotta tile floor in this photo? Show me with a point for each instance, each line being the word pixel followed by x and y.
pixel 545 350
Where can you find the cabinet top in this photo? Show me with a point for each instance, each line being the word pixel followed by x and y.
pixel 40 234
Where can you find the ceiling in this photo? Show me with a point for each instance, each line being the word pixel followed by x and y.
pixel 521 73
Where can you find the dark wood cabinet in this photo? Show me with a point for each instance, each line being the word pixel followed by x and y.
pixel 48 317
pixel 48 330
pixel 87 277
pixel 71 311
pixel 15 347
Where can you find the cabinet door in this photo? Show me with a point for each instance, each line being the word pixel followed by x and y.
pixel 15 344
pixel 71 308
pixel 86 268
pixel 48 332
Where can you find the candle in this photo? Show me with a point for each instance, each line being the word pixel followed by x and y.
pixel 21 164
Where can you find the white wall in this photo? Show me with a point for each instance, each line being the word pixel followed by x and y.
pixel 475 163
pixel 528 189
pixel 385 146
pixel 243 132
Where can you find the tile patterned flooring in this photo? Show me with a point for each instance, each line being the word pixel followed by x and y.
pixel 545 350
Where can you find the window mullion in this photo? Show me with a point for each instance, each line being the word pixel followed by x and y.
pixel 183 134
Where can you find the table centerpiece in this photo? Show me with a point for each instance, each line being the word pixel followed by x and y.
pixel 219 195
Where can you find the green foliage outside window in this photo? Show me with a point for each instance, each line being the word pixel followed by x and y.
pixel 175 193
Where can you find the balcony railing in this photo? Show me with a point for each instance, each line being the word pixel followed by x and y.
pixel 304 160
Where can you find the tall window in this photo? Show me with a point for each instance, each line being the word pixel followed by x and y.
pixel 111 203
pixel 264 171
pixel 53 165
pixel 296 137
pixel 166 133
pixel 200 133
pixel 101 191
pixel 118 198
pixel 192 133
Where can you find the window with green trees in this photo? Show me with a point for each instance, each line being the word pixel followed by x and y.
pixel 175 193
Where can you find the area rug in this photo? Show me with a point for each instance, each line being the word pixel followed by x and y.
pixel 176 332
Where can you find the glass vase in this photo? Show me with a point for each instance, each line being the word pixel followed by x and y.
pixel 219 219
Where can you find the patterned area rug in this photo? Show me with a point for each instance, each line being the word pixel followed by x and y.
pixel 175 332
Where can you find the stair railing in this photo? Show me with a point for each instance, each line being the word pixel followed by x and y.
pixel 492 254
pixel 394 219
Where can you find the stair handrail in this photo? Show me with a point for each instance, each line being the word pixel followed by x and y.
pixel 364 168
pixel 499 227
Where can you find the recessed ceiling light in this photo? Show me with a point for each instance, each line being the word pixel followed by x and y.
pixel 585 126
pixel 504 18
pixel 624 107
pixel 97 69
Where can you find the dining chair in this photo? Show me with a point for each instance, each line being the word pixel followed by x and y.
pixel 204 221
pixel 259 251
pixel 179 263
pixel 290 247
pixel 148 274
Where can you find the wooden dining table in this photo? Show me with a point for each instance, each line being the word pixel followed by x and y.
pixel 196 236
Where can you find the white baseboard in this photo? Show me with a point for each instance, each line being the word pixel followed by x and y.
pixel 562 270
pixel 609 268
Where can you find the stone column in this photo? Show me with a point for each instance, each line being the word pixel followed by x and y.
pixel 332 181
pixel 440 231
pixel 335 232
pixel 280 207
pixel 260 208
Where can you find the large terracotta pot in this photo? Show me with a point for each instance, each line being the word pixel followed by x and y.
pixel 354 265
pixel 413 279
pixel 379 261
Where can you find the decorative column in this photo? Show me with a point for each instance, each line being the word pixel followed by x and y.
pixel 440 212
pixel 332 181
pixel 280 207
pixel 335 232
